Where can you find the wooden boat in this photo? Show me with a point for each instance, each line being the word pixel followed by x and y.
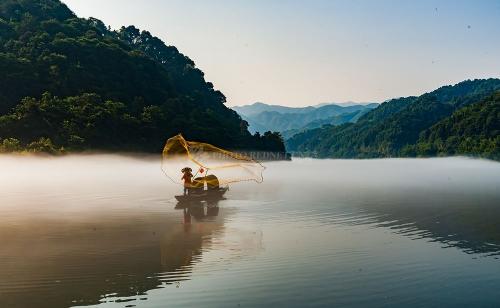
pixel 203 195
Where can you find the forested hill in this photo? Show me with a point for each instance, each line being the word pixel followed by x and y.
pixel 395 127
pixel 471 130
pixel 72 82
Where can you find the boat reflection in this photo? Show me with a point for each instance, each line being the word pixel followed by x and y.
pixel 199 210
pixel 115 257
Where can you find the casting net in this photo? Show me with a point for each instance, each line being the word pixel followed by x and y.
pixel 206 160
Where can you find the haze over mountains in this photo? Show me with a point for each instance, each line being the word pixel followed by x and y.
pixel 462 119
pixel 290 120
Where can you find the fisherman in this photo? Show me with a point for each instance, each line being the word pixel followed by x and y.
pixel 187 176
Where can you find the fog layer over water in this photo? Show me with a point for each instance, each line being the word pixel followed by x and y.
pixel 104 230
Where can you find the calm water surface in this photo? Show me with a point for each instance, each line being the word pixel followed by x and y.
pixel 104 231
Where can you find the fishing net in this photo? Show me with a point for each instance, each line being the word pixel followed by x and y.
pixel 208 162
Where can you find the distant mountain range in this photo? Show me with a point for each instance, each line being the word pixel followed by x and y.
pixel 289 120
pixel 463 119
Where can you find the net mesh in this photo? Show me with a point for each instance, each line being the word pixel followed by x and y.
pixel 207 160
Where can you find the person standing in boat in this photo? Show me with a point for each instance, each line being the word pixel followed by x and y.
pixel 187 178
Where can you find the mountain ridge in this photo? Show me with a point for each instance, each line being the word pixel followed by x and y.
pixel 282 118
pixel 259 107
pixel 394 125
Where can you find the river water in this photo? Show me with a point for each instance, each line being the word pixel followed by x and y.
pixel 104 230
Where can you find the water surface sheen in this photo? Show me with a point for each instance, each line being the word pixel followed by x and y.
pixel 103 230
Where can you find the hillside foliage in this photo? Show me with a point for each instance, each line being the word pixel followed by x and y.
pixel 395 126
pixel 77 83
pixel 472 130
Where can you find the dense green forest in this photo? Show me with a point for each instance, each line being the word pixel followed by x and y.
pixel 351 117
pixel 472 130
pixel 395 128
pixel 72 83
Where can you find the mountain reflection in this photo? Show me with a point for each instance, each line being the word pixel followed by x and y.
pixel 470 224
pixel 100 259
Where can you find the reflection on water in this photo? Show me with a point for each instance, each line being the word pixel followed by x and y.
pixel 73 236
pixel 81 261
pixel 455 202
pixel 105 230
pixel 472 227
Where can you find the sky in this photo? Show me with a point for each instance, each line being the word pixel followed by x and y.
pixel 306 52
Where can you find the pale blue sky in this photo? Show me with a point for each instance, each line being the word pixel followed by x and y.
pixel 296 53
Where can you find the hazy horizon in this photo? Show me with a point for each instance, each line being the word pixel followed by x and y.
pixel 296 53
pixel 311 105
